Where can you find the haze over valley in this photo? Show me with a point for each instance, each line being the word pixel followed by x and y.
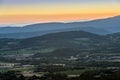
pixel 59 40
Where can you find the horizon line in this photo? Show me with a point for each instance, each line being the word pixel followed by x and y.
pixel 32 23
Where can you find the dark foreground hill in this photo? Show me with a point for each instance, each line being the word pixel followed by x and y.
pixel 62 44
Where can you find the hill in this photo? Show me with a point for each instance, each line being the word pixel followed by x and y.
pixel 59 44
pixel 100 26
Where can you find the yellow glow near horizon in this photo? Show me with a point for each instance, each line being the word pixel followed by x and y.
pixel 42 13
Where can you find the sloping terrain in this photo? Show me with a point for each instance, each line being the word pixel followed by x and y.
pixel 62 43
pixel 100 26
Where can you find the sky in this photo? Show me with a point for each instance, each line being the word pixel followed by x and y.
pixel 35 11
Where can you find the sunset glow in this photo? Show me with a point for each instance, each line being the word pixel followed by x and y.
pixel 17 12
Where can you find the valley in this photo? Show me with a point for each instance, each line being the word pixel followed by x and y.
pixel 71 53
pixel 65 50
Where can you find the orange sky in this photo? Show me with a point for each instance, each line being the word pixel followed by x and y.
pixel 55 13
pixel 51 18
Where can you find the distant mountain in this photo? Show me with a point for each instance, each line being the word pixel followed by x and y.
pixel 100 26
pixel 21 35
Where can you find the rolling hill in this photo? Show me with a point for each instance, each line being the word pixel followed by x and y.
pixel 59 44
pixel 100 26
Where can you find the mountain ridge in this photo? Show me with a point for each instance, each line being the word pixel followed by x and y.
pixel 99 26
